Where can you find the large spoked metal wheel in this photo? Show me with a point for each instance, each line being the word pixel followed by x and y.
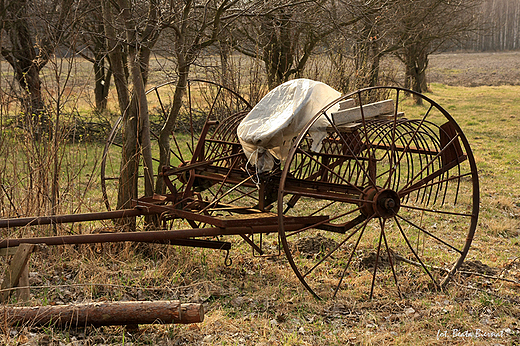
pixel 400 192
pixel 203 100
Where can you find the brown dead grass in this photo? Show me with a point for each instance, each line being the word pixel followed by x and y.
pixel 259 301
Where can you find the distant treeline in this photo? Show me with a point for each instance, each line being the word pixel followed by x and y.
pixel 498 28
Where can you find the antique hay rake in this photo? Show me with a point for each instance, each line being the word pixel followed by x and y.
pixel 391 198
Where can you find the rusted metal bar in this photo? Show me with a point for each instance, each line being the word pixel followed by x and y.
pixel 106 313
pixel 69 218
pixel 148 236
pixel 200 243
pixel 151 236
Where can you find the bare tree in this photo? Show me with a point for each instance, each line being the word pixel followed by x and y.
pixel 368 40
pixel 192 28
pixel 35 30
pixel 285 34
pixel 425 27
pixel 132 29
pixel 499 27
pixel 93 47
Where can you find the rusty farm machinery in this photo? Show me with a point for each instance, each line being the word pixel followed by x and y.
pixel 390 197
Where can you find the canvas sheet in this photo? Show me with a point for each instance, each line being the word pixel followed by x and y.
pixel 268 131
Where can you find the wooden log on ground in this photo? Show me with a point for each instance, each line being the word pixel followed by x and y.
pixel 105 314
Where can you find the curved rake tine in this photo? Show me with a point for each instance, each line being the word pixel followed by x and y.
pixel 409 143
pixel 362 168
pixel 439 182
pixel 431 162
pixel 328 169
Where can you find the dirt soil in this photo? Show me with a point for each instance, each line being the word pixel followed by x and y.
pixel 475 69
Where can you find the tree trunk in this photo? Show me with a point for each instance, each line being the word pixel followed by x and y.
pixel 129 170
pixel 26 65
pixel 136 122
pixel 169 124
pixel 416 59
pixel 278 52
pixel 135 60
pixel 102 83
pixel 374 67
pixel 225 66
pixel 127 189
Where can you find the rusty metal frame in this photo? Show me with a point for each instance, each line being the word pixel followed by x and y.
pixel 348 143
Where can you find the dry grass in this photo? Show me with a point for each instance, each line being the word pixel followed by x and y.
pixel 259 301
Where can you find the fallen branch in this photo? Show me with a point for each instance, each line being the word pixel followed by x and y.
pixel 105 313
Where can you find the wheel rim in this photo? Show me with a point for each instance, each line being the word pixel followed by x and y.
pixel 203 100
pixel 404 190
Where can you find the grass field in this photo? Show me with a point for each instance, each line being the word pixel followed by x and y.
pixel 259 301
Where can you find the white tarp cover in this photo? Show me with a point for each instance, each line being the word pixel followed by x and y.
pixel 269 129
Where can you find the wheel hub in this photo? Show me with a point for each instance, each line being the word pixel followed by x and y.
pixel 380 203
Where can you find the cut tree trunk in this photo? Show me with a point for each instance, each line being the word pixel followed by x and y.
pixel 105 314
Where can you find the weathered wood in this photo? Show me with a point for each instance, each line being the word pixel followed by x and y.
pixel 370 110
pixel 15 270
pixel 347 128
pixel 390 116
pixel 346 104
pixel 23 291
pixel 8 251
pixel 106 313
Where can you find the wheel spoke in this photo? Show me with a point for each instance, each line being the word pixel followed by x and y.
pixel 210 113
pixel 351 256
pixel 190 112
pixel 429 234
pixel 160 102
pixel 390 258
pixel 415 253
pixel 226 193
pixel 436 211
pixel 177 154
pixel 336 248
pixel 221 185
pixel 377 259
pixel 392 146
